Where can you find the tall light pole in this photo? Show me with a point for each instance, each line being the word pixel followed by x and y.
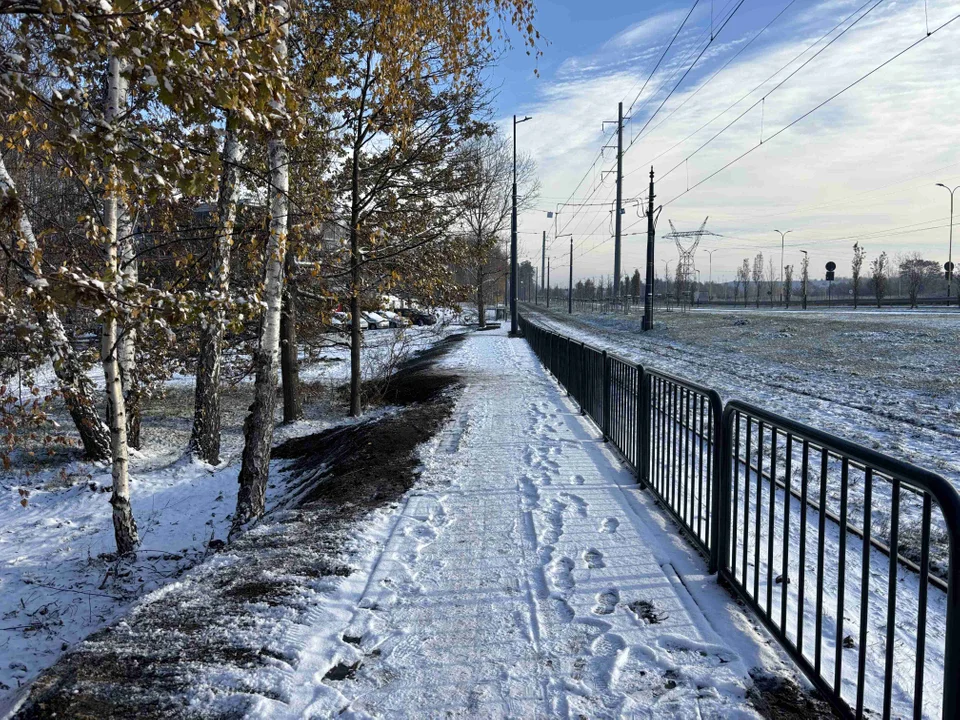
pixel 806 257
pixel 950 249
pixel 782 236
pixel 710 253
pixel 513 235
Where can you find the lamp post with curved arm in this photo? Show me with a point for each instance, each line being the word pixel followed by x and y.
pixel 783 234
pixel 710 253
pixel 950 247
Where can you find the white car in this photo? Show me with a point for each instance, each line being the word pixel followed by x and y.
pixel 341 321
pixel 396 321
pixel 374 321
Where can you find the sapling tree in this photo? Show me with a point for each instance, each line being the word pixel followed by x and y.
pixel 757 274
pixel 879 268
pixel 856 269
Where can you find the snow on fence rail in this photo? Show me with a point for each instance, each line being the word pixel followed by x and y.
pixel 807 528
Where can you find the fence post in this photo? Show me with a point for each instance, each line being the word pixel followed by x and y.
pixel 643 415
pixel 720 498
pixel 605 390
pixel 951 651
pixel 583 378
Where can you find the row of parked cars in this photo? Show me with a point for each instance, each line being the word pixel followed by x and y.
pixel 404 317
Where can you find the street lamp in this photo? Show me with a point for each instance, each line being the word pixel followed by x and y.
pixel 513 234
pixel 950 249
pixel 710 253
pixel 806 257
pixel 782 236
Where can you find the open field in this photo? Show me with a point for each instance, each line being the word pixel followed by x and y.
pixel 887 380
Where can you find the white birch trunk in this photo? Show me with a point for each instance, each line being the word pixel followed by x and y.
pixel 124 526
pixel 259 424
pixel 127 352
pixel 76 389
pixel 205 436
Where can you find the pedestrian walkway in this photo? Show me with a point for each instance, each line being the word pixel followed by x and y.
pixel 527 576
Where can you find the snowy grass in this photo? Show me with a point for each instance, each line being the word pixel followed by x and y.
pixel 58 579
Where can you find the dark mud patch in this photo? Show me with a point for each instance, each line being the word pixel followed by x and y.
pixel 647 612
pixel 778 698
pixel 226 618
pixel 342 671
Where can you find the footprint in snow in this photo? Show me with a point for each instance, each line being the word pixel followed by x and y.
pixel 578 502
pixel 609 525
pixel 594 559
pixel 607 602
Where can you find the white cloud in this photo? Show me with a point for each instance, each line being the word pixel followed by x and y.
pixel 899 124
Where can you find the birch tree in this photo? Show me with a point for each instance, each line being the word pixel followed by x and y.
pixel 205 435
pixel 74 386
pixel 124 526
pixel 259 425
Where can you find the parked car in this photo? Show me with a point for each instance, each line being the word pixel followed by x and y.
pixel 395 320
pixel 417 317
pixel 374 321
pixel 341 321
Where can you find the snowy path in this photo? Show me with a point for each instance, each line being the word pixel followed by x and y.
pixel 527 577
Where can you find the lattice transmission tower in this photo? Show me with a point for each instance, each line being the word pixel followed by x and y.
pixel 686 264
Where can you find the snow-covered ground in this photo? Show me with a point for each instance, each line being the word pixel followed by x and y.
pixel 57 581
pixel 524 576
pixel 884 381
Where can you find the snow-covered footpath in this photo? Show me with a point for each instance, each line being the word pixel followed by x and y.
pixel 525 576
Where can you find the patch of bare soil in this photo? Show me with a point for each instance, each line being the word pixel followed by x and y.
pixel 226 617
pixel 777 698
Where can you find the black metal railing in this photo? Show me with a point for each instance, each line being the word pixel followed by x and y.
pixel 681 442
pixel 846 555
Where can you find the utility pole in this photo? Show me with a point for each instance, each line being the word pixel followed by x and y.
pixel 618 209
pixel 570 287
pixel 549 287
pixel 949 265
pixel 543 257
pixel 514 329
pixel 648 294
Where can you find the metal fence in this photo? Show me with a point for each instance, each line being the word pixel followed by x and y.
pixel 847 556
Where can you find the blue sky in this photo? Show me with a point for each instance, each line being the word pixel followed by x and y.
pixel 862 168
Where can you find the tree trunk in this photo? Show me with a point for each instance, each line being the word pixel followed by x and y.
pixel 124 526
pixel 127 353
pixel 289 362
pixel 355 408
pixel 259 424
pixel 481 306
pixel 205 436
pixel 76 389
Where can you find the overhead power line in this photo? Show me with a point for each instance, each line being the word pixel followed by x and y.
pixel 817 107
